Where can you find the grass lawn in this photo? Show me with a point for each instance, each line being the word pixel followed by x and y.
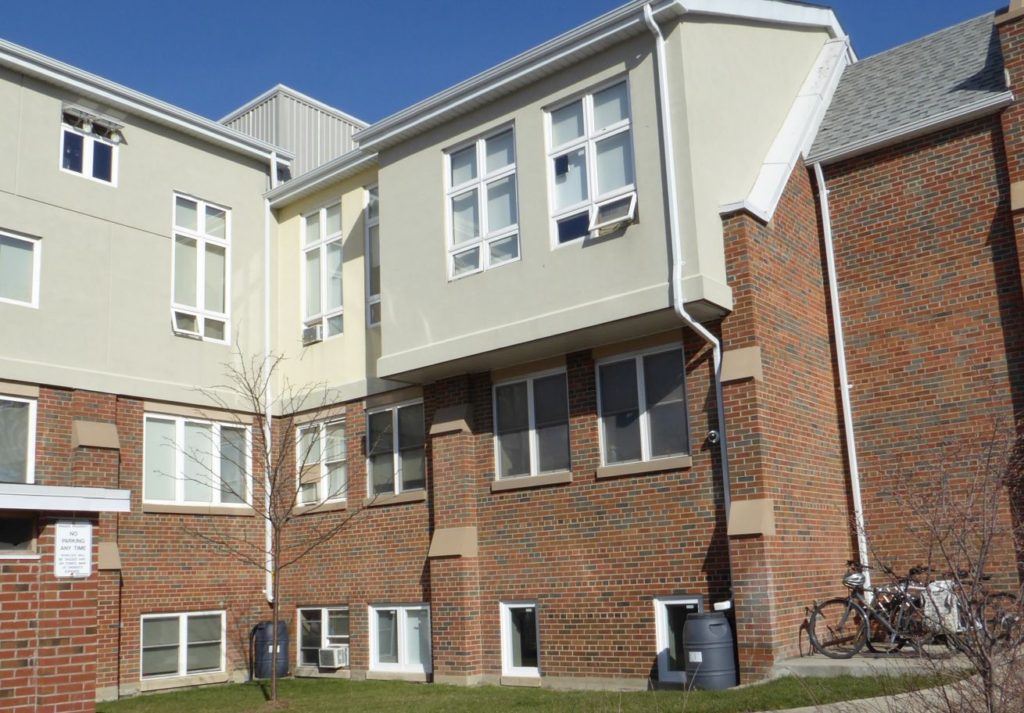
pixel 316 696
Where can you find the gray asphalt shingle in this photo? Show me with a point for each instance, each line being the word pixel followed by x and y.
pixel 938 73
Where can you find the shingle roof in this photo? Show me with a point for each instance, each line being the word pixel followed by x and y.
pixel 910 85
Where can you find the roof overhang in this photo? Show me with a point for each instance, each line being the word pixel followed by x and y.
pixel 33 64
pixel 54 498
pixel 573 46
pixel 345 166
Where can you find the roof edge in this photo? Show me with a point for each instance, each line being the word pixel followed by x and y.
pixel 952 117
pixel 348 164
pixel 285 89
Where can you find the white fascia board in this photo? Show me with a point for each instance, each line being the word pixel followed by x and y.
pixel 960 115
pixel 295 93
pixel 19 496
pixel 797 133
pixel 616 25
pixel 33 64
pixel 338 169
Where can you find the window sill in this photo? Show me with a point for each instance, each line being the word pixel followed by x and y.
pixel 174 508
pixel 20 556
pixel 413 496
pixel 521 681
pixel 199 679
pixel 640 467
pixel 320 507
pixel 523 482
pixel 306 671
pixel 414 676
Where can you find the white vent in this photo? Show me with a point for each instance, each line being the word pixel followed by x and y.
pixel 334 657
pixel 312 334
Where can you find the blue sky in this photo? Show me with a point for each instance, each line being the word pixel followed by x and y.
pixel 367 58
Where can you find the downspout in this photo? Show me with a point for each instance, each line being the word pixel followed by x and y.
pixel 668 156
pixel 844 381
pixel 268 396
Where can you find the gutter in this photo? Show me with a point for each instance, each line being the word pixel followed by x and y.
pixel 844 380
pixel 668 152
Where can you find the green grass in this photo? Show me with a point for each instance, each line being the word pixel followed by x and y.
pixel 320 696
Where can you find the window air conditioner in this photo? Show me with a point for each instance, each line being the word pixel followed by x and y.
pixel 334 657
pixel 312 334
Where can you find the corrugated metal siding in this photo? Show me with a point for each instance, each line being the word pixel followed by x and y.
pixel 312 134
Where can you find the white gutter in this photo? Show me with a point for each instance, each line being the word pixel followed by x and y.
pixel 668 153
pixel 844 381
pixel 268 396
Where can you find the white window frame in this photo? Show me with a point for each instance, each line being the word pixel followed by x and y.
pixel 324 484
pixel 324 643
pixel 183 618
pixel 30 451
pixel 370 223
pixel 591 137
pixel 88 142
pixel 395 453
pixel 644 418
pixel 661 634
pixel 180 458
pixel 401 622
pixel 320 245
pixel 37 250
pixel 534 446
pixel 507 657
pixel 200 312
pixel 480 183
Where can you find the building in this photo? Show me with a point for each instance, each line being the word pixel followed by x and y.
pixel 572 325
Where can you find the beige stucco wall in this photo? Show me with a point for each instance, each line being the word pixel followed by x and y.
pixel 732 85
pixel 103 320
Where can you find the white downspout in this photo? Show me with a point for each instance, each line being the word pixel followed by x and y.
pixel 844 381
pixel 668 152
pixel 268 396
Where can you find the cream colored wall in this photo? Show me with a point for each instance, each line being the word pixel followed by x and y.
pixel 739 81
pixel 344 364
pixel 103 321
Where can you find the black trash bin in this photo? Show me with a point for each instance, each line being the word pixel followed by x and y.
pixel 262 642
pixel 708 643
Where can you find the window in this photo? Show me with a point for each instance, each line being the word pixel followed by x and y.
pixel 531 423
pixel 88 147
pixel 321 270
pixel 483 216
pixel 197 462
pixel 400 638
pixel 591 160
pixel 372 256
pixel 519 650
pixel 17 535
pixel 321 457
pixel 325 628
pixel 19 269
pixel 201 259
pixel 642 404
pixel 182 644
pixel 669 617
pixel 395 438
pixel 17 440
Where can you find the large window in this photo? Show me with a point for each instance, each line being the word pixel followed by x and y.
pixel 88 147
pixel 531 423
pixel 395 438
pixel 400 638
pixel 19 269
pixel 669 617
pixel 321 628
pixel 372 220
pixel 519 650
pixel 591 159
pixel 321 271
pixel 321 456
pixel 17 439
pixel 482 205
pixel 642 402
pixel 182 644
pixel 191 461
pixel 201 267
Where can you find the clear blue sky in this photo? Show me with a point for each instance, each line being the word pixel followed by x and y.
pixel 367 58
